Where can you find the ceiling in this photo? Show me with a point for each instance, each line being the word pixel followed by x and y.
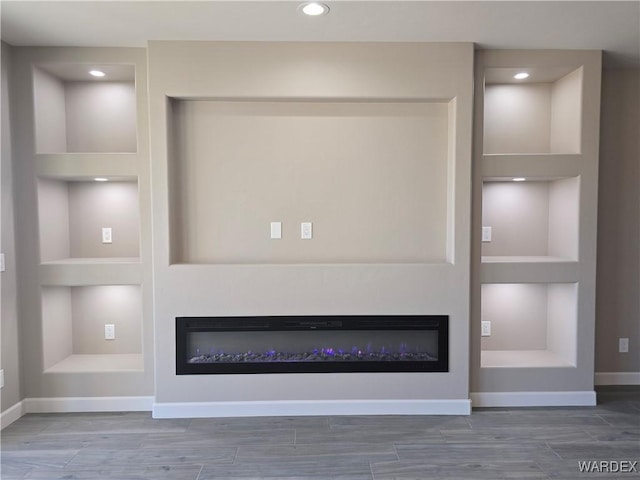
pixel 608 25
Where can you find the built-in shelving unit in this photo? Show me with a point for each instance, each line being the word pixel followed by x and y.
pixel 87 260
pixel 535 181
pixel 88 216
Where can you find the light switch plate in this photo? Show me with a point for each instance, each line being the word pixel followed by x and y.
pixel 486 328
pixel 306 230
pixel 1 262
pixel 276 230
pixel 486 234
pixel 109 331
pixel 106 235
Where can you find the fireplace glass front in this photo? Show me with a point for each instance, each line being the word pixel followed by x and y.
pixel 218 345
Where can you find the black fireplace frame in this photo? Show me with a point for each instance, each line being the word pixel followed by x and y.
pixel 184 325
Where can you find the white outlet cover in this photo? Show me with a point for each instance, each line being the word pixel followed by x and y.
pixel 623 345
pixel 106 235
pixel 109 331
pixel 486 234
pixel 276 230
pixel 486 328
pixel 306 230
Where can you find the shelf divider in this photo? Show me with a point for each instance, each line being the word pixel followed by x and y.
pixel 87 165
pixel 541 166
pixel 91 272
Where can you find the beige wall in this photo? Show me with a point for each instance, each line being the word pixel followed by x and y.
pixel 566 112
pixel 518 214
pixel 9 325
pixel 49 101
pixel 53 216
pixel 57 339
pixel 93 307
pixel 100 117
pixel 564 217
pixel 94 205
pixel 324 71
pixel 516 118
pixel 371 177
pixel 518 316
pixel 618 278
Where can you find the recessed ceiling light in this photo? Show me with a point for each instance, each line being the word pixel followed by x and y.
pixel 314 9
pixel 101 179
pixel 519 179
pixel 521 76
pixel 97 73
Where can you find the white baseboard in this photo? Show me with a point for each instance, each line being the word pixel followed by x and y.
pixel 87 404
pixel 533 399
pixel 617 378
pixel 11 414
pixel 310 408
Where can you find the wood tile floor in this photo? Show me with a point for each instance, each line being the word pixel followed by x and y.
pixel 527 443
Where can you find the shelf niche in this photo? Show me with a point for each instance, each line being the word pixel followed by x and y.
pixel 78 113
pixel 539 115
pixel 532 325
pixel 73 213
pixel 531 220
pixel 73 328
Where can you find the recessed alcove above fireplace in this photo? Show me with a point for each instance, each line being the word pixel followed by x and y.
pixel 312 344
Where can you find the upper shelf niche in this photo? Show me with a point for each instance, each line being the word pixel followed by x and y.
pixel 537 115
pixel 76 112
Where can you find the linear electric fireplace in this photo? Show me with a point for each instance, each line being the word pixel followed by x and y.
pixel 312 344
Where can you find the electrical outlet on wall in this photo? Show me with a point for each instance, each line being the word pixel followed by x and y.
pixel 276 230
pixel 486 328
pixel 306 230
pixel 486 234
pixel 1 378
pixel 623 345
pixel 106 235
pixel 109 331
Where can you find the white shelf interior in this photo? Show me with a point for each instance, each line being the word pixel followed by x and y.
pixel 72 215
pixel 93 260
pixel 96 363
pixel 535 221
pixel 522 359
pixel 78 113
pixel 541 114
pixel 523 259
pixel 532 324
pixel 74 321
